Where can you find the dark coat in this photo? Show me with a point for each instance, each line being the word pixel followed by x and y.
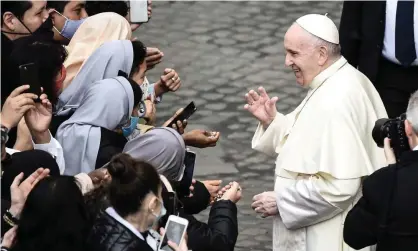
pixel 389 191
pixel 108 234
pixel 362 29
pixel 199 201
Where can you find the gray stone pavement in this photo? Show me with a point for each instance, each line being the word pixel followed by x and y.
pixel 221 50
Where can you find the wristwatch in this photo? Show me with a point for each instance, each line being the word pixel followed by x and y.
pixel 4 134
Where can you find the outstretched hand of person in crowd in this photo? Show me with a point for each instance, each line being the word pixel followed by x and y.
pixel 38 120
pixel 234 193
pixel 20 191
pixel 265 204
pixel 16 105
pixel 153 57
pixel 213 187
pixel 200 138
pixel 178 125
pixel 9 238
pixel 174 246
pixel 169 81
pixel 261 106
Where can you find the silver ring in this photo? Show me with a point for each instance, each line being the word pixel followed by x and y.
pixel 173 79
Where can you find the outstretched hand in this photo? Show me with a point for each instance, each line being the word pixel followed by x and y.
pixel 261 106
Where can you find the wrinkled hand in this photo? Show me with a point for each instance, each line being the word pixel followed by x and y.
pixel 153 57
pixel 265 204
pixel 174 246
pixel 19 191
pixel 99 176
pixel 16 105
pixel 200 138
pixel 39 117
pixel 261 106
pixel 178 125
pixel 389 153
pixel 169 81
pixel 233 194
pixel 213 186
pixel 9 238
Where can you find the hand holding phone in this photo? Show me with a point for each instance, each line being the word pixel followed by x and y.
pixel 181 115
pixel 29 76
pixel 173 234
pixel 138 11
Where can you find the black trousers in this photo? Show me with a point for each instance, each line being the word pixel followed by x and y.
pixel 395 85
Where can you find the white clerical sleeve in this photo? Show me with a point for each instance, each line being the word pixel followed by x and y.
pixel 55 149
pixel 270 140
pixel 315 199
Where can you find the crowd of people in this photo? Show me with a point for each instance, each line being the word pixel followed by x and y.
pixel 85 167
pixel 84 164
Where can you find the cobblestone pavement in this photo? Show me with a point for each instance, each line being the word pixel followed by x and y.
pixel 221 50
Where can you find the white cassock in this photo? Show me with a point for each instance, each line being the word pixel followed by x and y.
pixel 325 147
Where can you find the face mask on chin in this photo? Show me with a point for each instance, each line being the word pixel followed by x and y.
pixel 70 26
pixel 128 130
pixel 44 31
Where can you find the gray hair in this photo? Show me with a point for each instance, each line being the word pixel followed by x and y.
pixel 412 111
pixel 334 50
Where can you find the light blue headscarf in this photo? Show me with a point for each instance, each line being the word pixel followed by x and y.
pixel 108 104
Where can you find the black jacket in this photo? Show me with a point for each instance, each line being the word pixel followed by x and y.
pixel 108 234
pixel 389 191
pixel 362 29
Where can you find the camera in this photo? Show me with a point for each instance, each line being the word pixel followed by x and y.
pixel 394 129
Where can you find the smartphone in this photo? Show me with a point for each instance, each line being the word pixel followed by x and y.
pixel 138 11
pixel 186 181
pixel 185 114
pixel 29 76
pixel 174 231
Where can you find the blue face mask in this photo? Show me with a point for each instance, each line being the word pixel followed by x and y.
pixel 129 129
pixel 70 26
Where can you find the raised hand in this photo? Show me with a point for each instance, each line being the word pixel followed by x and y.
pixel 16 105
pixel 169 81
pixel 39 118
pixel 20 191
pixel 261 106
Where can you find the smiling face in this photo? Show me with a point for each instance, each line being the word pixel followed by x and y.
pixel 302 55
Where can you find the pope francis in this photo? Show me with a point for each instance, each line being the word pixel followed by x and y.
pixel 325 145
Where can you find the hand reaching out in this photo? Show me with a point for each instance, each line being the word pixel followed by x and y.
pixel 261 106
pixel 201 139
pixel 19 191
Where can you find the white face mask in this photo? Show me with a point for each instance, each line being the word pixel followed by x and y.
pixel 163 211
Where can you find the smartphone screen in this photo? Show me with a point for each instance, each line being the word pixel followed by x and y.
pixel 29 76
pixel 186 181
pixel 138 11
pixel 174 232
pixel 185 114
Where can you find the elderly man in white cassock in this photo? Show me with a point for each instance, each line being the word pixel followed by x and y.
pixel 324 146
